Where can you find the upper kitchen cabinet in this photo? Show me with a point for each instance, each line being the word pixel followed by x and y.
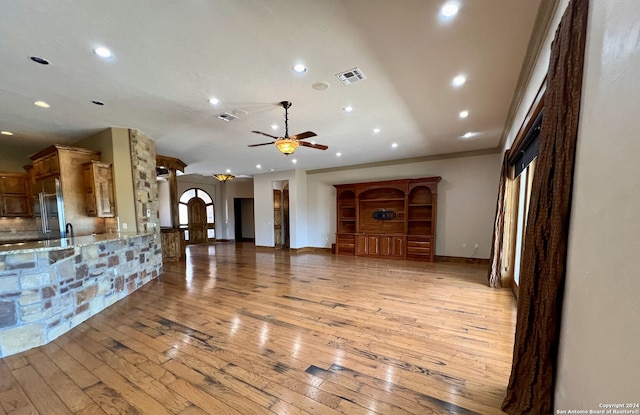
pixel 15 196
pixel 98 184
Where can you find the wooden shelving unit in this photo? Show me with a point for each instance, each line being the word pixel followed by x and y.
pixel 408 232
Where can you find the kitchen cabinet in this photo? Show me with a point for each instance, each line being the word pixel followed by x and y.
pixel 15 198
pixel 174 246
pixel 392 219
pixel 98 183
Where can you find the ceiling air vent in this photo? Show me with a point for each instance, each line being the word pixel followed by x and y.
pixel 351 76
pixel 225 116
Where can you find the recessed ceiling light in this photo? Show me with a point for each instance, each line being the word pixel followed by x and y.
pixel 376 130
pixel 258 166
pixel 103 52
pixel 39 60
pixel 299 68
pixel 464 114
pixel 41 104
pixel 294 161
pixel 459 80
pixel 6 133
pixel 274 126
pixel 228 170
pixel 469 135
pixel 272 169
pixel 214 101
pixel 450 9
pixel 394 145
pixel 98 103
pixel 348 108
pixel 338 154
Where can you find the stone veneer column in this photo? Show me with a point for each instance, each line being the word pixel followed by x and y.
pixel 145 184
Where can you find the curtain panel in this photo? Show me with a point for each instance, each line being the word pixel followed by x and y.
pixel 533 374
pixel 495 260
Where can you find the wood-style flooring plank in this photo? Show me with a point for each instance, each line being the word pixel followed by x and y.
pixel 39 392
pixel 235 330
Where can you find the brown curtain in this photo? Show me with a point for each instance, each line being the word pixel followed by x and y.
pixel 534 369
pixel 495 260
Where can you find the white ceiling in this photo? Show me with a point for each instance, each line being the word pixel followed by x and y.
pixel 171 56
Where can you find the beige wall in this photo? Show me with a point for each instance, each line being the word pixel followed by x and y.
pixel 466 201
pixel 14 159
pixel 115 148
pixel 600 337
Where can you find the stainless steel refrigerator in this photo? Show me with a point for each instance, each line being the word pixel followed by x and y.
pixel 49 207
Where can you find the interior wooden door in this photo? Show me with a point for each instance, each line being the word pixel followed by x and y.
pixel 277 218
pixel 285 217
pixel 197 221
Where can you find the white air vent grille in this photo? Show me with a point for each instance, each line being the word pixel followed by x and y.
pixel 351 76
pixel 225 116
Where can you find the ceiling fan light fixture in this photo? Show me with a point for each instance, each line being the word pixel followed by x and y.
pixel 287 146
pixel 224 177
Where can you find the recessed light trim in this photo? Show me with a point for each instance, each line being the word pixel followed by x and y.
pixel 41 104
pixel 214 101
pixel 348 108
pixel 103 52
pixel 338 154
pixel 470 134
pixel 294 161
pixel 376 130
pixel 394 145
pixel 6 133
pixel 41 61
pixel 449 9
pixel 459 80
pixel 274 126
pixel 299 68
pixel 464 114
pixel 258 166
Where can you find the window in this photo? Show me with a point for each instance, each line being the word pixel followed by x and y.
pixel 523 166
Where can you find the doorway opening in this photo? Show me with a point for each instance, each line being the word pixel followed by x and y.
pixel 244 219
pixel 281 235
pixel 197 216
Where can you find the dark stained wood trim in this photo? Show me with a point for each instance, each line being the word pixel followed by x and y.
pixel 462 260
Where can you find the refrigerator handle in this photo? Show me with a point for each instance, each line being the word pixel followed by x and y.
pixel 44 214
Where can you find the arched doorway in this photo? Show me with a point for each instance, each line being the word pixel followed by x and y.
pixel 197 217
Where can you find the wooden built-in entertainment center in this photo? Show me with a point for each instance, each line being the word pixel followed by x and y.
pixel 391 219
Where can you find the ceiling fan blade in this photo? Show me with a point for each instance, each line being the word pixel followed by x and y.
pixel 268 135
pixel 316 146
pixel 304 135
pixel 261 144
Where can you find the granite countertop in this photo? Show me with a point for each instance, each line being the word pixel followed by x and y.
pixel 53 244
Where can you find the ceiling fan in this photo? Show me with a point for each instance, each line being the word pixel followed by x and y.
pixel 287 145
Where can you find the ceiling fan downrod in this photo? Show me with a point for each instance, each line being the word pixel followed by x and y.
pixel 286 105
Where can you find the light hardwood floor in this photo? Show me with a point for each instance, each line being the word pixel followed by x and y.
pixel 239 331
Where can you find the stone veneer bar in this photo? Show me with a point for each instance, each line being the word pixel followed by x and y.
pixel 47 288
